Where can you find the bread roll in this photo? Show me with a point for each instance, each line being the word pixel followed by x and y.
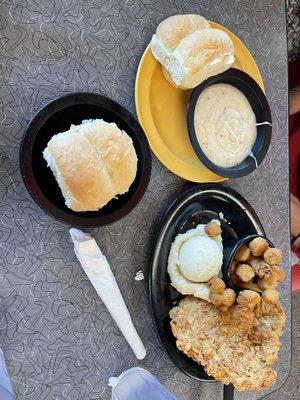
pixel 172 30
pixel 190 51
pixel 92 163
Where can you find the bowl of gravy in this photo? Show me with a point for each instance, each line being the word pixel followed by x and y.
pixel 229 123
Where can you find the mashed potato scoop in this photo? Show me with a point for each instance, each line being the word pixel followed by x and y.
pixel 195 257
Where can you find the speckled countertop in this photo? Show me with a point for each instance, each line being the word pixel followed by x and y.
pixel 57 337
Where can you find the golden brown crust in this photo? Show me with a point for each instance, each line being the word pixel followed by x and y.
pixel 250 286
pixel 258 246
pixel 92 162
pixel 248 299
pixel 276 275
pixel 271 295
pixel 223 300
pixel 245 272
pixel 280 273
pixel 212 229
pixel 79 171
pixel 260 267
pixel 268 283
pixel 243 254
pixel 190 51
pixel 117 152
pixel 238 346
pixel 216 285
pixel 273 256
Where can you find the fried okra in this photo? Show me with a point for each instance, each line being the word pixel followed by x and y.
pixel 216 285
pixel 260 267
pixel 248 298
pixel 271 295
pixel 243 254
pixel 272 256
pixel 213 229
pixel 223 300
pixel 270 282
pixel 245 272
pixel 258 246
pixel 280 273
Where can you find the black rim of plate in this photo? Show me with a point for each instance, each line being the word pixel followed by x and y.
pixel 26 151
pixel 260 105
pixel 162 230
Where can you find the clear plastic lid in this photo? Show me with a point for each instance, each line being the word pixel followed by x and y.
pixel 6 392
pixel 138 384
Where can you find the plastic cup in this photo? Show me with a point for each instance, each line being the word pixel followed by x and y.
pixel 138 384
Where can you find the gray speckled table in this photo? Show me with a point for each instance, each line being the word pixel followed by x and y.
pixel 58 339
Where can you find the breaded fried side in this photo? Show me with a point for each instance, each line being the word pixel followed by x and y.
pixel 213 229
pixel 245 272
pixel 258 246
pixel 238 346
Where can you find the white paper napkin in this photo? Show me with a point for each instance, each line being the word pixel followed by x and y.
pixel 99 273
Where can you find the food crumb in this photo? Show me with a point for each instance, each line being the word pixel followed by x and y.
pixel 139 276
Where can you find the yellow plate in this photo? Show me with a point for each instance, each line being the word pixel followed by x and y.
pixel 162 112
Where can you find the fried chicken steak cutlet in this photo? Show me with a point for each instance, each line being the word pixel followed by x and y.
pixel 237 346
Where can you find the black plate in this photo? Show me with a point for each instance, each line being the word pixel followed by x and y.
pixel 260 106
pixel 58 116
pixel 197 205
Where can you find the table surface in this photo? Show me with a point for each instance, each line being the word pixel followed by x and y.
pixel 58 339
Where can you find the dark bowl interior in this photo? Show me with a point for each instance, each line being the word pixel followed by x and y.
pixel 198 205
pixel 229 255
pixel 57 117
pixel 260 106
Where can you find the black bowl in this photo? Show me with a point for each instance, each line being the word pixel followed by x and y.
pixel 228 257
pixel 260 106
pixel 58 116
pixel 198 205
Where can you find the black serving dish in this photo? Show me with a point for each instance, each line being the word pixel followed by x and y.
pixel 58 116
pixel 260 106
pixel 229 255
pixel 198 205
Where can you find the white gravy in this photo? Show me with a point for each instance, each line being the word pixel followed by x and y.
pixel 225 124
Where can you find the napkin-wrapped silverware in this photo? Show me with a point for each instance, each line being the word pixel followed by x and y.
pixel 98 271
